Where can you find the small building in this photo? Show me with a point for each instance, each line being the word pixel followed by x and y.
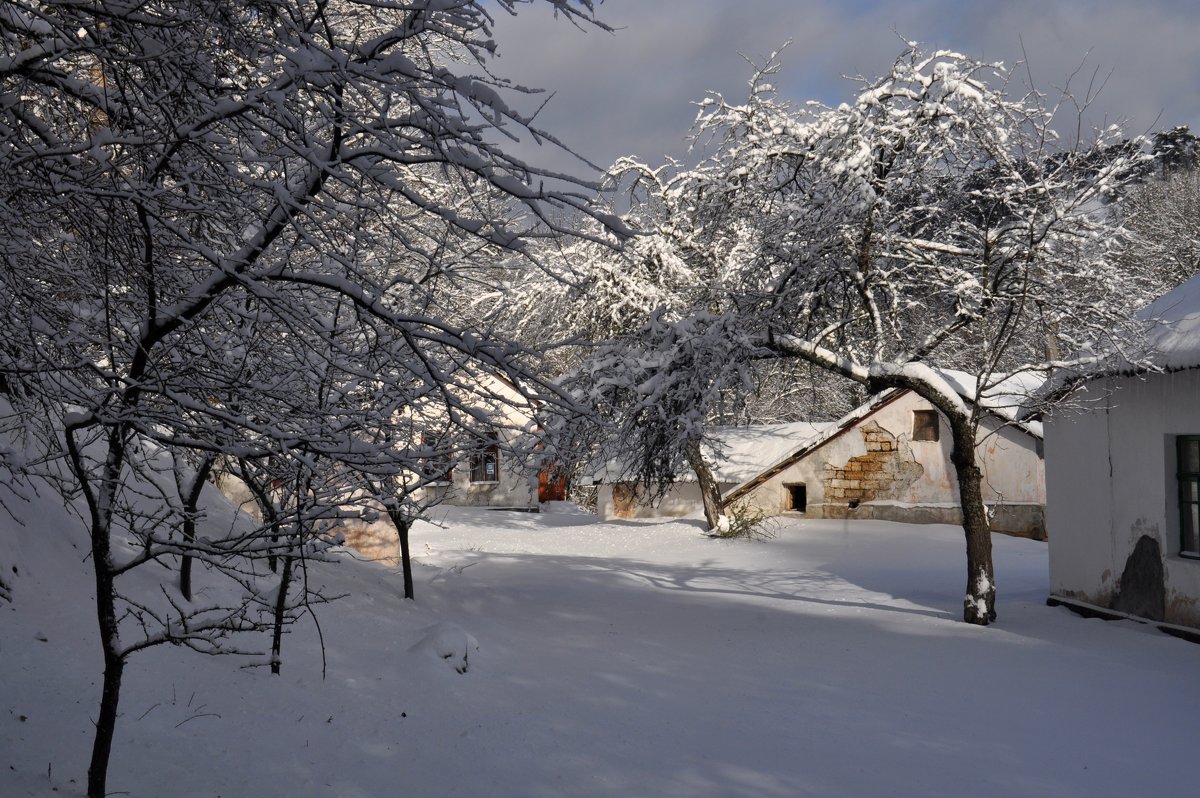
pixel 493 470
pixel 889 459
pixel 483 462
pixel 1123 480
pixel 738 454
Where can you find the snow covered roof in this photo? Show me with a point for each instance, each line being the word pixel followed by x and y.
pixel 1005 400
pixel 742 452
pixel 752 454
pixel 1166 335
pixel 1174 335
pixel 736 454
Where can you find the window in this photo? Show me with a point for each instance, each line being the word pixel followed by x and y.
pixel 1189 495
pixel 797 497
pixel 485 461
pixel 925 425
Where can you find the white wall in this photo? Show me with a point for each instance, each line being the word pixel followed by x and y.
pixel 1013 473
pixel 682 499
pixel 1110 478
pixel 517 483
pixel 517 487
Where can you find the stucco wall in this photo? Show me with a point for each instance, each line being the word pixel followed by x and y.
pixel 878 467
pixel 1110 479
pixel 682 499
pixel 517 487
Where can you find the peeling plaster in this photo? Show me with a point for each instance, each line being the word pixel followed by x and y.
pixel 884 472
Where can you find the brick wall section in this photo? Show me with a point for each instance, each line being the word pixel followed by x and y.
pixel 884 472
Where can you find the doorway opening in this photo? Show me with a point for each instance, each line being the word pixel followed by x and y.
pixel 797 497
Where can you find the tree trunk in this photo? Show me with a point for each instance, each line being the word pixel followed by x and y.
pixel 266 508
pixel 710 492
pixel 979 604
pixel 402 525
pixel 190 493
pixel 106 605
pixel 285 582
pixel 106 724
pixel 185 561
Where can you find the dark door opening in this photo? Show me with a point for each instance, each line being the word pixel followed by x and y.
pixel 797 498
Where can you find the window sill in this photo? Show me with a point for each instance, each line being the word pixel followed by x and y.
pixel 485 482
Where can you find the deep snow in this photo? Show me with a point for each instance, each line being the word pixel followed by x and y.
pixel 631 659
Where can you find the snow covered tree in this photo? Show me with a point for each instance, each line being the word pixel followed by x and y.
pixel 932 223
pixel 1162 212
pixel 576 300
pixel 187 189
pixel 1175 150
pixel 591 301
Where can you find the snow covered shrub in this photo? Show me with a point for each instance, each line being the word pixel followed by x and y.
pixel 586 497
pixel 745 521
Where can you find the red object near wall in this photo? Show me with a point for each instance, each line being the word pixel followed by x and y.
pixel 552 484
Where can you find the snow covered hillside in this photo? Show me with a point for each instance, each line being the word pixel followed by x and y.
pixel 548 655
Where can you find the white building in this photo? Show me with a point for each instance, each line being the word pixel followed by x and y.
pixel 1123 481
pixel 487 472
pixel 890 460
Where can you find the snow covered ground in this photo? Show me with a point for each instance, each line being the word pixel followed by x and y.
pixel 623 659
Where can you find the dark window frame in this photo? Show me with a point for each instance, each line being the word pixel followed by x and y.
pixel 1189 500
pixel 488 454
pixel 926 426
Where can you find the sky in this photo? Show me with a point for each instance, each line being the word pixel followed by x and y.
pixel 630 92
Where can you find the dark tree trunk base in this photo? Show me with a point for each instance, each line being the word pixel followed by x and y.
pixel 285 583
pixel 402 525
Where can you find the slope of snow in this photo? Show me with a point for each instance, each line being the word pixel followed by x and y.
pixel 614 660
pixel 1006 399
pixel 742 452
pixel 736 454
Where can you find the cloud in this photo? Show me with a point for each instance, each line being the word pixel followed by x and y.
pixel 630 92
